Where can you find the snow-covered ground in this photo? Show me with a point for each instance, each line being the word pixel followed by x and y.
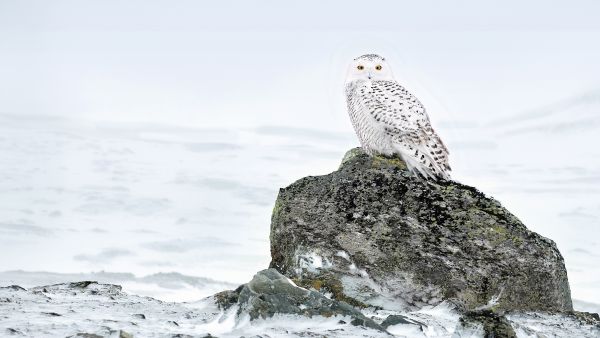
pixel 80 196
pixel 105 310
pixel 102 310
pixel 170 287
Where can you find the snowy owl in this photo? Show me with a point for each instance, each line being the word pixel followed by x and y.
pixel 389 120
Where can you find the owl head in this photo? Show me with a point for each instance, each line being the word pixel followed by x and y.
pixel 369 67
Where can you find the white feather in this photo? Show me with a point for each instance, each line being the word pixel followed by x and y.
pixel 389 120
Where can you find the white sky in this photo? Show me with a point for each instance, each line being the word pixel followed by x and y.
pixel 265 62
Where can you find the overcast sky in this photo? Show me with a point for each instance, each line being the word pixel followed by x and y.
pixel 241 63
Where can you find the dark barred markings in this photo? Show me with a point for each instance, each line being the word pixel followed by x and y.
pixel 370 57
pixel 388 119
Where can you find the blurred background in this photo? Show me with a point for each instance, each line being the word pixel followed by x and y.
pixel 144 142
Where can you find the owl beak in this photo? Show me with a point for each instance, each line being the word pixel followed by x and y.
pixel 370 76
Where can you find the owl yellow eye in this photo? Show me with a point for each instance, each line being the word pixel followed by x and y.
pixel 360 67
pixel 378 67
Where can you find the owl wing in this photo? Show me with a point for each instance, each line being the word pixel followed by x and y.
pixel 405 120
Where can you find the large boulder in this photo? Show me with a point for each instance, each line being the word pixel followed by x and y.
pixel 372 234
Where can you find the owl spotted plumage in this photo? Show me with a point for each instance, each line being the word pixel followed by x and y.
pixel 389 120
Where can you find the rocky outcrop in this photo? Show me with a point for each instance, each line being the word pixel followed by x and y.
pixel 372 234
pixel 270 293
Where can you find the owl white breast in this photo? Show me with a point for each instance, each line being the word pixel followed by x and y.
pixel 389 120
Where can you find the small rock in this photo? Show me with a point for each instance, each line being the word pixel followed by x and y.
pixel 270 293
pixel 13 332
pixel 85 335
pixel 140 316
pixel 485 324
pixel 13 288
pixel 123 334
pixel 82 284
pixel 586 317
pixel 399 319
pixel 226 299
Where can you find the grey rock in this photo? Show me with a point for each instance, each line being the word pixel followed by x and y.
pixel 122 334
pixel 13 332
pixel 85 335
pixel 555 324
pixel 400 319
pixel 372 234
pixel 228 298
pixel 486 324
pixel 270 293
pixel 84 287
pixel 13 287
pixel 589 318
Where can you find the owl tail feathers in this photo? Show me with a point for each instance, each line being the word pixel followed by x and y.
pixel 418 169
pixel 422 165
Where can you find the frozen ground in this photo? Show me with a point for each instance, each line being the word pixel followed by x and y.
pixel 66 310
pixel 80 196
pixel 172 287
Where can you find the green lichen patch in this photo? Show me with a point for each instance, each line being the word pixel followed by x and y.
pixel 329 283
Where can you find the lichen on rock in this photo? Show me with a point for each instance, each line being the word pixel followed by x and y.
pixel 372 234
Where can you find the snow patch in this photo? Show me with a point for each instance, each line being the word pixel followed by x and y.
pixel 492 302
pixel 343 254
pixel 312 261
